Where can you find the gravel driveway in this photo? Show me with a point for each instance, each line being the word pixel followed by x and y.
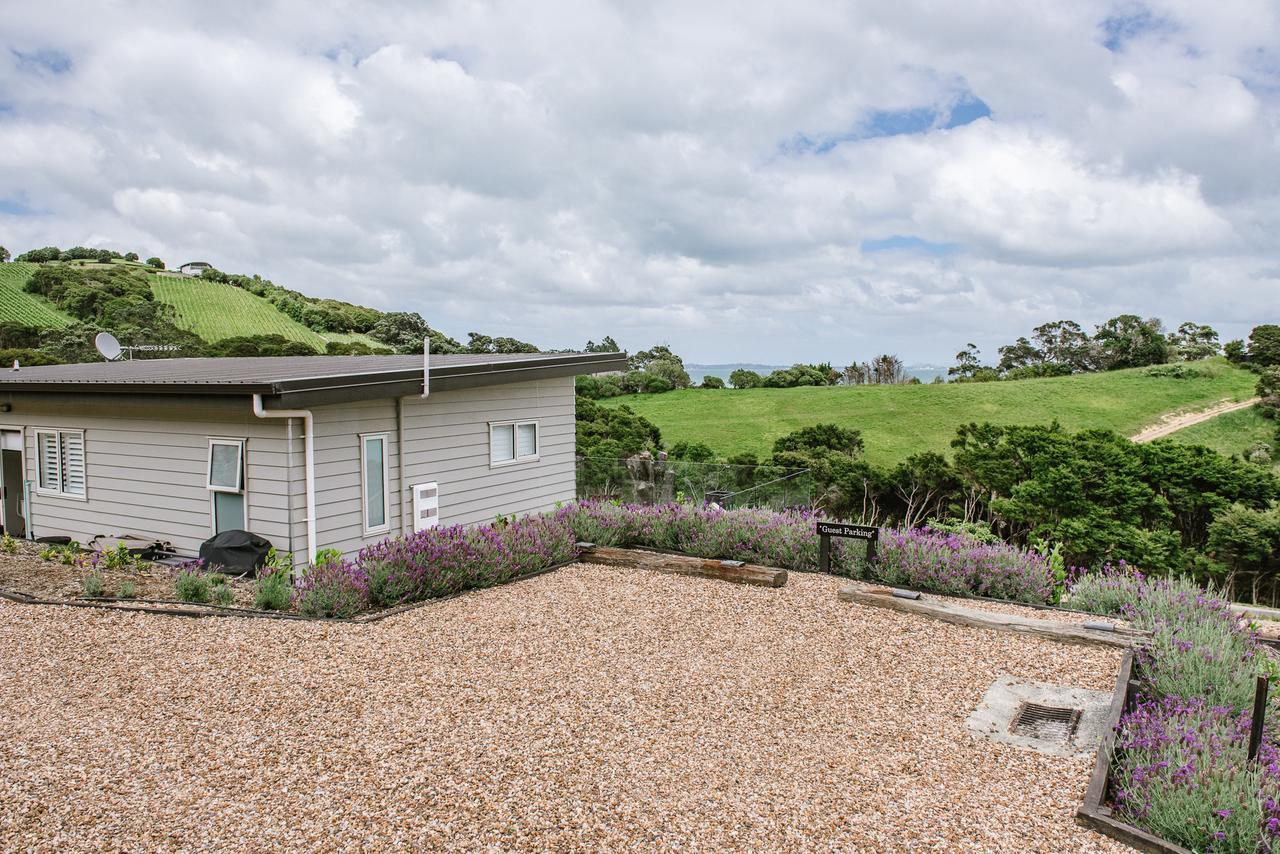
pixel 589 708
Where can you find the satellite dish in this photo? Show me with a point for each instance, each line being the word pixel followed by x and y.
pixel 108 346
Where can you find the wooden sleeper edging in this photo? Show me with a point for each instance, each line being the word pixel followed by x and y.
pixel 675 564
pixel 998 621
pixel 1094 813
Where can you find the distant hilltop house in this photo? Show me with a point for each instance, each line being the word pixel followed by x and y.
pixel 194 268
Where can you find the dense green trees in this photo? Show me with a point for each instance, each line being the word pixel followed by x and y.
pixel 613 433
pixel 1103 497
pixel 259 345
pixel 155 263
pixel 712 381
pixel 1194 341
pixel 1268 390
pixel 885 369
pixel 478 343
pixel 1063 347
pixel 606 345
pixel 743 378
pixel 4 255
pixel 1128 341
pixel 1264 345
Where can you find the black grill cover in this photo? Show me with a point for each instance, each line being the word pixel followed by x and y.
pixel 238 551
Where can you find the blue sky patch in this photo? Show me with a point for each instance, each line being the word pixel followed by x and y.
pixel 43 61
pixel 969 108
pixel 13 207
pixel 1119 29
pixel 909 243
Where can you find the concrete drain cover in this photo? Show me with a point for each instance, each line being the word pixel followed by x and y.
pixel 1060 720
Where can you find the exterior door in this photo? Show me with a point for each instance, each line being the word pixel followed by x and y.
pixel 15 523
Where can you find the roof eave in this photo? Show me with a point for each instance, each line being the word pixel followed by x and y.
pixel 302 394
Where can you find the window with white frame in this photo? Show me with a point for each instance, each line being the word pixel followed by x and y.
pixel 513 442
pixel 226 465
pixel 61 461
pixel 374 485
pixel 226 484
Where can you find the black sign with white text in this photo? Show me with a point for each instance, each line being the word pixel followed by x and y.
pixel 844 529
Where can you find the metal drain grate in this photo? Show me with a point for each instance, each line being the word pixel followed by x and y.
pixel 1047 723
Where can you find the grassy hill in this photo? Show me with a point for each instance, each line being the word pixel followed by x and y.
pixel 215 311
pixel 21 307
pixel 897 421
pixel 1231 432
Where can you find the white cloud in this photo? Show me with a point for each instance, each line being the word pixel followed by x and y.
pixel 596 168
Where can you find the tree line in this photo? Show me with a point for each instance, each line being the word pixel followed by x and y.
pixel 1164 507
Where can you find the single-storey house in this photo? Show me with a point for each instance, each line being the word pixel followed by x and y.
pixel 310 452
pixel 194 268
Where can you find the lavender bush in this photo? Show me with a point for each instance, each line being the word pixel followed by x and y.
pixel 773 538
pixel 1181 768
pixel 1182 774
pixel 957 565
pixel 1106 591
pixel 1199 647
pixel 331 588
pixel 439 561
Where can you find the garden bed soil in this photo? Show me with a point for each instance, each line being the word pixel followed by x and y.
pixel 26 573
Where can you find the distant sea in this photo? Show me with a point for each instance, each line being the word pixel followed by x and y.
pixel 925 373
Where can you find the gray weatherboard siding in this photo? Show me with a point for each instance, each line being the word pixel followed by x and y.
pixel 145 469
pixel 146 464
pixel 447 441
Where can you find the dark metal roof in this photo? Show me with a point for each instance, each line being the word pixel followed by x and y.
pixel 348 377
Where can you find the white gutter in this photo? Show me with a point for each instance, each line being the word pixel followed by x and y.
pixel 308 462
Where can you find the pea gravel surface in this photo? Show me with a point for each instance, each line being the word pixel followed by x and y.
pixel 590 708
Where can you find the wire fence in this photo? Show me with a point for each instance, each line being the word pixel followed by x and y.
pixel 644 479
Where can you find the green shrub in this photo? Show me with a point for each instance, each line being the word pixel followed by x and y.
pixel 328 556
pixel 277 560
pixel 127 590
pixel 118 558
pixel 223 595
pixel 273 592
pixel 192 586
pixel 8 545
pixel 92 584
pixel 979 532
pixel 217 579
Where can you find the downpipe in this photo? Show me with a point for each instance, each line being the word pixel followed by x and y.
pixel 308 464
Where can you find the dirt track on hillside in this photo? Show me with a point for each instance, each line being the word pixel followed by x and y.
pixel 1173 423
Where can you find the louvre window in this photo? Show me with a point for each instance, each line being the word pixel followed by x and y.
pixel 513 442
pixel 62 470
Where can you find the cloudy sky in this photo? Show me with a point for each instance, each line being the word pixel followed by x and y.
pixel 746 181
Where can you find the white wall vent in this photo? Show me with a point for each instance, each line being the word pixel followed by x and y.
pixel 426 506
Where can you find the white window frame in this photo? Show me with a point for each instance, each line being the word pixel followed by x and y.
pixel 516 459
pixel 385 527
pixel 244 479
pixel 57 434
pixel 239 444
